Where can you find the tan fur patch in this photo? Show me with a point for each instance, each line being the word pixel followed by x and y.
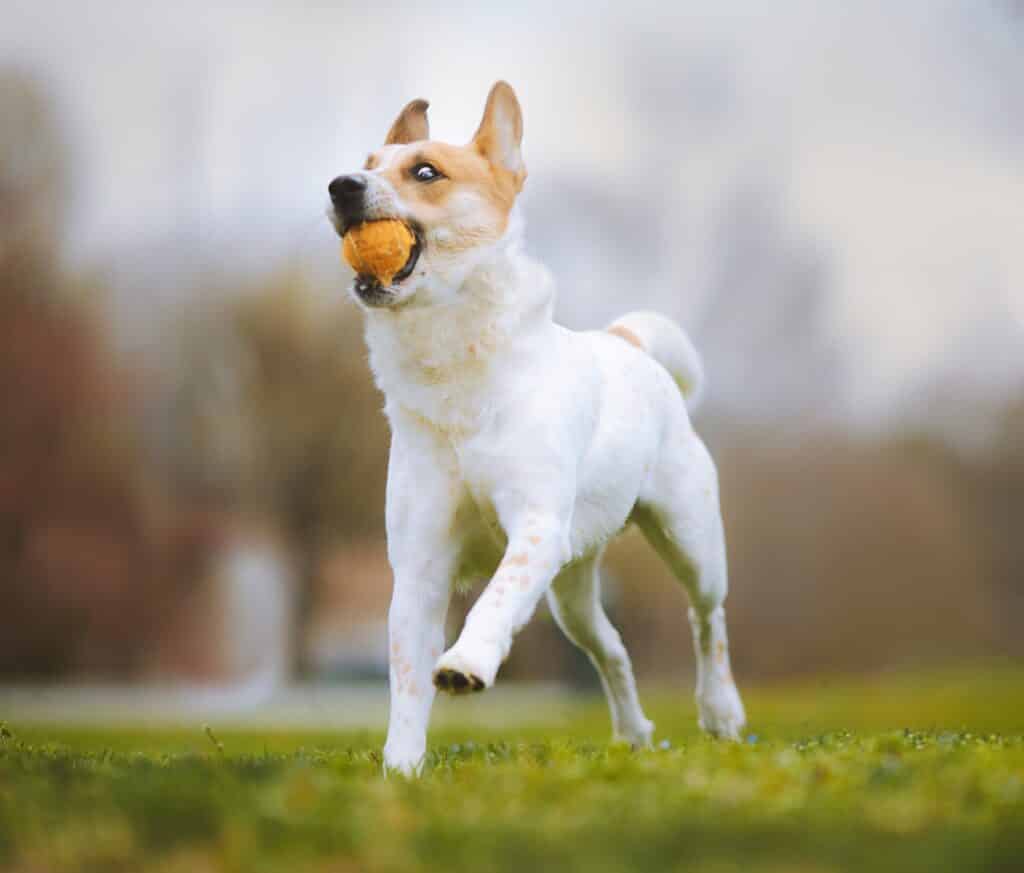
pixel 628 335
pixel 520 560
pixel 411 124
pixel 475 194
pixel 720 653
pixel 465 172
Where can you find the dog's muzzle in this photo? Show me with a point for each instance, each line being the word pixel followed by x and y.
pixel 349 205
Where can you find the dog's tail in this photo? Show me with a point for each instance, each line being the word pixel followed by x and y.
pixel 665 341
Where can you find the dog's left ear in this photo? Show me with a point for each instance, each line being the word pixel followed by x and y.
pixel 411 124
pixel 500 134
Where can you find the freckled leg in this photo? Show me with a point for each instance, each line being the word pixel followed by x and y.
pixel 422 548
pixel 575 601
pixel 681 519
pixel 415 637
pixel 536 552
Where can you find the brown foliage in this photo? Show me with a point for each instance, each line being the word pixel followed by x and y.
pixel 86 567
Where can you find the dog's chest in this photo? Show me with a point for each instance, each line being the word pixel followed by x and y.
pixel 444 369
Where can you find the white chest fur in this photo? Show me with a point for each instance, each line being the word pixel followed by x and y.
pixel 444 363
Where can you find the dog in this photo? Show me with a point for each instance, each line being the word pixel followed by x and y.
pixel 520 448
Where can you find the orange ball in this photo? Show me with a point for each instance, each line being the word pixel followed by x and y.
pixel 379 248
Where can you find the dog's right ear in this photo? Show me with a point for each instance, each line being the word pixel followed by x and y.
pixel 411 124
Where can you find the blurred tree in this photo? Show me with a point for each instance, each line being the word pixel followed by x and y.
pixel 86 569
pixel 1001 502
pixel 34 162
pixel 276 415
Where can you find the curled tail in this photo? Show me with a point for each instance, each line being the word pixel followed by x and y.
pixel 665 341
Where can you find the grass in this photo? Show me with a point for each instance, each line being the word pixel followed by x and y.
pixel 901 773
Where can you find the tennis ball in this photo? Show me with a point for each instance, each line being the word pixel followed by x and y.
pixel 378 248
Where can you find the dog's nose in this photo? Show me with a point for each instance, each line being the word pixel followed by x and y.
pixel 346 190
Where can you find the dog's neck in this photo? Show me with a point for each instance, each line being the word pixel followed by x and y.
pixel 440 362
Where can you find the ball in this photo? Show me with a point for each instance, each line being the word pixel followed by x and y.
pixel 379 248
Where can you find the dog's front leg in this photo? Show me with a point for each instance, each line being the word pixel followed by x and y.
pixel 422 496
pixel 538 548
pixel 415 639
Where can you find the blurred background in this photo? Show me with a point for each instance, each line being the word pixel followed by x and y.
pixel 829 196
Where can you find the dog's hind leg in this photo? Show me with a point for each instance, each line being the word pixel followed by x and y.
pixel 575 601
pixel 679 514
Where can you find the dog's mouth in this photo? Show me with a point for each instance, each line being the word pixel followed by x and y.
pixel 370 289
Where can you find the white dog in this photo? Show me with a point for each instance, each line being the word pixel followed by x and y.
pixel 519 447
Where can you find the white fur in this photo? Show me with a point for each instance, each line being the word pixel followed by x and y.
pixel 519 449
pixel 665 341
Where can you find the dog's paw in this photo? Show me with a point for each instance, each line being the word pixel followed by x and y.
pixel 456 681
pixel 637 736
pixel 720 711
pixel 459 673
pixel 403 762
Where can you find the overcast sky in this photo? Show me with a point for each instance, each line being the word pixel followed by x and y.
pixel 887 138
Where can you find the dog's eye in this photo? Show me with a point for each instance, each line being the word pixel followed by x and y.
pixel 426 172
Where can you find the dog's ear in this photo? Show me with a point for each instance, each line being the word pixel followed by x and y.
pixel 411 124
pixel 500 134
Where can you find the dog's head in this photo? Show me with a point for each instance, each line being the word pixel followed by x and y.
pixel 457 199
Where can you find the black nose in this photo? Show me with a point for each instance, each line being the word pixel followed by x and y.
pixel 346 191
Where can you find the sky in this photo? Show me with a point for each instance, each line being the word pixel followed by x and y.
pixel 693 159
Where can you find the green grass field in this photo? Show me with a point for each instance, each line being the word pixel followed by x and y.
pixel 898 773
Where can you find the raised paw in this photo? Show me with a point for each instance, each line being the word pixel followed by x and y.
pixel 464 669
pixel 456 682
